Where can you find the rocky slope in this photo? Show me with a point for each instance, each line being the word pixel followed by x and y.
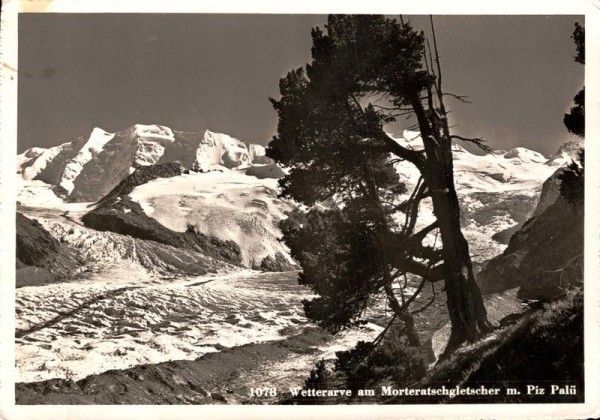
pixel 510 358
pixel 41 258
pixel 545 256
pixel 100 252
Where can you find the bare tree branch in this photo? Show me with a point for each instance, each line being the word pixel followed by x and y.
pixel 405 111
pixel 410 203
pixel 409 265
pixel 478 141
pixel 419 289
pixel 437 88
pixel 416 158
pixel 461 98
pixel 416 311
pixel 420 235
pixel 378 339
pixel 413 211
pixel 437 59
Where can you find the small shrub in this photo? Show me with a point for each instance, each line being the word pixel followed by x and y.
pixel 394 359
pixel 368 366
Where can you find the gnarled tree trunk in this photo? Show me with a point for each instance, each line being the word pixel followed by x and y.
pixel 468 316
pixel 467 312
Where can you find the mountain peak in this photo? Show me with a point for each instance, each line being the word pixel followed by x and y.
pixel 567 152
pixel 525 155
pixel 154 132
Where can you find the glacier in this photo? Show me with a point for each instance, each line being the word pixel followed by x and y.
pixel 137 301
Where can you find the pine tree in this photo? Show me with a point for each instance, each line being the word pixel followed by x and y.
pixel 331 136
pixel 575 119
pixel 573 177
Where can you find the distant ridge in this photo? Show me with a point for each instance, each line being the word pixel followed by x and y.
pixel 87 168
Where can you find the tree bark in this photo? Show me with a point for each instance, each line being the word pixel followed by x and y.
pixel 466 309
pixel 405 316
pixel 468 316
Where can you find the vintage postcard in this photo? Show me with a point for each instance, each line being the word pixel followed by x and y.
pixel 375 210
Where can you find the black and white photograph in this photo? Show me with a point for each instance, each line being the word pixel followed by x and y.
pixel 292 209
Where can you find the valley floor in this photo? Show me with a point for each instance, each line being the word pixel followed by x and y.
pixel 74 330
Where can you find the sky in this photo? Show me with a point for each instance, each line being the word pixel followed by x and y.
pixel 197 72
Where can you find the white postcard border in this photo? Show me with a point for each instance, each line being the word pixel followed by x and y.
pixel 8 132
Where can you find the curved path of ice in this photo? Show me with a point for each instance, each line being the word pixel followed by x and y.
pixel 72 330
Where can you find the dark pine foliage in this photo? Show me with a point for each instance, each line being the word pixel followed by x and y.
pixel 321 137
pixel 579 38
pixel 341 262
pixel 368 365
pixel 572 179
pixel 575 119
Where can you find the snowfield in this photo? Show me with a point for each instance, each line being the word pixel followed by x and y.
pixel 517 169
pixel 227 205
pixel 37 194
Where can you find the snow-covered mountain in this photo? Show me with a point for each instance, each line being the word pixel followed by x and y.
pixel 518 168
pixel 87 168
pixel 567 152
pixel 498 191
pixel 228 215
pixel 238 200
pixel 205 193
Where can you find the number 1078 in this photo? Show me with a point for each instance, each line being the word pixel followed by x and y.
pixel 263 392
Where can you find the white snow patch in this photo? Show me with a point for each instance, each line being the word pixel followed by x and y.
pixel 27 156
pixel 525 155
pixel 220 149
pixel 154 132
pixel 42 161
pixel 515 175
pixel 37 194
